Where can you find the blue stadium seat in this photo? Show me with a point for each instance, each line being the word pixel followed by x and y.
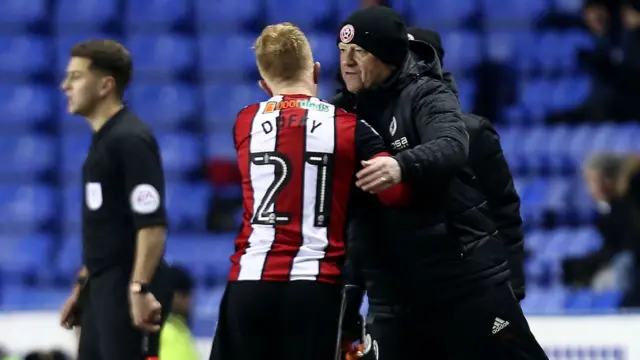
pixel 164 106
pixel 25 106
pixel 467 94
pixel 301 13
pixel 20 254
pixel 569 93
pixel 142 14
pixel 347 7
pixel 181 152
pixel 579 145
pixel 64 43
pixel 17 297
pixel 604 136
pixel 536 96
pixel 203 255
pixel 608 300
pixel 187 204
pixel 626 138
pixel 223 102
pixel 221 145
pixel 514 13
pixel 26 207
pixel 69 257
pixel 19 14
pixel 23 55
pixel 442 11
pixel 165 54
pixel 227 53
pixel 553 300
pixel 86 15
pixel 225 14
pixel 555 149
pixel 571 7
pixel 26 155
pixel 463 49
pixel 325 51
pixel 207 305
pixel 72 207
pixel 74 151
pixel 580 300
pixel 558 197
pixel 326 90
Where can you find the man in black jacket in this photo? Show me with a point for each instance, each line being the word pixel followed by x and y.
pixel 437 268
pixel 488 164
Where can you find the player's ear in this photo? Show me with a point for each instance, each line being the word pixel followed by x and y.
pixel 106 84
pixel 316 72
pixel 263 85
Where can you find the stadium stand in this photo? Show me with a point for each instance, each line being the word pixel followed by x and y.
pixel 195 70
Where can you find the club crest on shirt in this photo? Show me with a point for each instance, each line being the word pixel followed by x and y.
pixel 347 33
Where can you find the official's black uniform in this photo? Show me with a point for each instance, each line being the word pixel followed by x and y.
pixel 123 192
pixel 449 290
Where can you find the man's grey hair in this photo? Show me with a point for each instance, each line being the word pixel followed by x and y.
pixel 608 164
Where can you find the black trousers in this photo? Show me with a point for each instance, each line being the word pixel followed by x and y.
pixel 488 324
pixel 295 320
pixel 106 329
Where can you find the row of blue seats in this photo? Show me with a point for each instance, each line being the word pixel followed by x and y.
pixel 207 255
pixel 164 106
pixel 25 207
pixel 145 13
pixel 558 148
pixel 178 54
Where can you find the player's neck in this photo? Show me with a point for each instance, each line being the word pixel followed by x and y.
pixel 295 90
pixel 103 113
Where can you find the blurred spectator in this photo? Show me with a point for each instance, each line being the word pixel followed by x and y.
pixel 614 63
pixel 224 176
pixel 47 355
pixel 630 187
pixel 176 341
pixel 610 267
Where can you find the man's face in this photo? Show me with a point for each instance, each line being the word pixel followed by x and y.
pixel 599 188
pixel 359 69
pixel 181 304
pixel 81 86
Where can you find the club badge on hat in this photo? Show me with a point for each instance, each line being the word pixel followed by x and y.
pixel 347 33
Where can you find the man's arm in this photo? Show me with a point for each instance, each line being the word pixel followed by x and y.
pixel 493 174
pixel 144 184
pixel 370 145
pixel 443 136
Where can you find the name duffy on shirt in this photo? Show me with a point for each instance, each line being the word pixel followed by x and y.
pixel 288 121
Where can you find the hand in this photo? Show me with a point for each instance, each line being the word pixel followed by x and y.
pixel 69 310
pixel 145 311
pixel 379 174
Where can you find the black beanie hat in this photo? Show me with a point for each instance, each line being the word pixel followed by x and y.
pixel 378 30
pixel 429 37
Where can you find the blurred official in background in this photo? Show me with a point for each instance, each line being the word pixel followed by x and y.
pixel 488 163
pixel 176 340
pixel 123 293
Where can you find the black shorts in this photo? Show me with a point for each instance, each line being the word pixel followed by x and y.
pixel 488 324
pixel 106 330
pixel 277 320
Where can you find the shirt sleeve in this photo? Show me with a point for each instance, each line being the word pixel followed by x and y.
pixel 139 158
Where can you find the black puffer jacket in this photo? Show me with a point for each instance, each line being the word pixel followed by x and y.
pixel 445 244
pixel 488 163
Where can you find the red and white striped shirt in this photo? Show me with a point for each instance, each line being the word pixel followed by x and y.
pixel 297 156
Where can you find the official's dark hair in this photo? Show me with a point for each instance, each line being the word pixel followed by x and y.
pixel 181 279
pixel 108 57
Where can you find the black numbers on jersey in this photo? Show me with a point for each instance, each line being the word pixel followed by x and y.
pixel 266 214
pixel 324 182
pixel 282 175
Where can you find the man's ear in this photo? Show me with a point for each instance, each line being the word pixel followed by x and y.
pixel 263 85
pixel 316 72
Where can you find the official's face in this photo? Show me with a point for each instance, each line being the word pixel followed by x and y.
pixel 359 69
pixel 82 86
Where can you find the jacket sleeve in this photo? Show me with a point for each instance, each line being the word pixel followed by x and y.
pixel 370 145
pixel 493 174
pixel 444 142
